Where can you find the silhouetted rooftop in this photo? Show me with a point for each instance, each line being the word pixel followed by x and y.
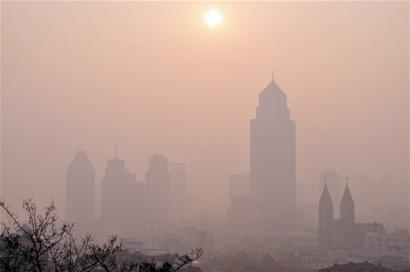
pixel 80 159
pixel 272 87
pixel 355 267
pixel 347 196
pixel 325 197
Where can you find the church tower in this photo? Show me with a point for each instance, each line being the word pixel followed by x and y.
pixel 325 219
pixel 272 157
pixel 347 207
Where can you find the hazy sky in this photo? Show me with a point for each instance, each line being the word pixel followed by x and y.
pixel 152 77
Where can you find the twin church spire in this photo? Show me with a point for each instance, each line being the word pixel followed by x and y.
pixel 347 213
pixel 347 209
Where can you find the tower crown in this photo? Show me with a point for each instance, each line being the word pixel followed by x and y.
pixel 271 90
pixel 80 160
pixel 273 102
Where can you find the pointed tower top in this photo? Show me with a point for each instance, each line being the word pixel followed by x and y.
pixel 347 213
pixel 272 88
pixel 347 196
pixel 81 155
pixel 80 158
pixel 325 197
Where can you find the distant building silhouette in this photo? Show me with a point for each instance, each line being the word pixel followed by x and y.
pixel 334 185
pixel 356 267
pixel 122 200
pixel 80 180
pixel 347 213
pixel 343 233
pixel 178 191
pixel 239 214
pixel 157 192
pixel 273 157
pixel 240 217
pixel 238 185
pixel 325 219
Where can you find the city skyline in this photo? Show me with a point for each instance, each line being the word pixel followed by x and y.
pixel 219 136
pixel 345 76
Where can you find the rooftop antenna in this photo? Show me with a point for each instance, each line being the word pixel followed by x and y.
pixel 116 151
pixel 273 74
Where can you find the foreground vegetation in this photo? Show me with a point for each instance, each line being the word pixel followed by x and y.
pixel 42 244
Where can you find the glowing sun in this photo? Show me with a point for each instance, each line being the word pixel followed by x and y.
pixel 213 17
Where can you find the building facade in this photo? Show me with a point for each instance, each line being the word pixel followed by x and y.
pixel 273 157
pixel 157 182
pixel 394 244
pixel 343 233
pixel 80 180
pixel 178 191
pixel 122 200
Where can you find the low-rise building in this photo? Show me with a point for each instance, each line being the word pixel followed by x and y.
pixel 394 244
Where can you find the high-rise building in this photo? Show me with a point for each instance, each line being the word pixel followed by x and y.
pixel 122 200
pixel 158 192
pixel 239 214
pixel 178 191
pixel 273 157
pixel 80 192
pixel 238 185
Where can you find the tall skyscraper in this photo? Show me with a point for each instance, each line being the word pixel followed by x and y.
pixel 80 192
pixel 238 185
pixel 272 157
pixel 240 212
pixel 158 192
pixel 122 200
pixel 178 191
